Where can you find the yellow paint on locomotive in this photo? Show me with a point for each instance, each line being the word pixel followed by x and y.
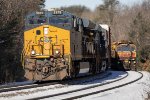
pixel 43 44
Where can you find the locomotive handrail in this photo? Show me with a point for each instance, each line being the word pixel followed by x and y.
pixel 27 47
pixel 24 53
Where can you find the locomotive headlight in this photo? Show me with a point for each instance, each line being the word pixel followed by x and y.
pixel 56 51
pixel 63 60
pixel 45 30
pixel 52 59
pixel 33 52
pixel 67 59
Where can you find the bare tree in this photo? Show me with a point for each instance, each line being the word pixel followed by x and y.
pixel 107 11
pixel 78 10
pixel 12 14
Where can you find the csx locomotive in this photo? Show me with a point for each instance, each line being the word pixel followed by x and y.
pixel 123 55
pixel 59 45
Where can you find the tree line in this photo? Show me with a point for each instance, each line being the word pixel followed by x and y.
pixel 12 14
pixel 127 23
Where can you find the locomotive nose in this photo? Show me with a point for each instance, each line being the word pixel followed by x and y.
pixel 124 54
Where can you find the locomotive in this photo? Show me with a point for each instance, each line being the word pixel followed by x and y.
pixel 123 55
pixel 60 45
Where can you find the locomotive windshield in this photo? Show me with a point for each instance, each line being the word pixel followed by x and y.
pixel 125 48
pixel 60 21
pixel 37 20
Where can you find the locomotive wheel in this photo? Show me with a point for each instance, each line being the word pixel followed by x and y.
pixel 104 66
pixel 133 66
pixel 72 72
pixel 75 69
pixel 126 66
pixel 92 67
pixel 108 65
pixel 98 66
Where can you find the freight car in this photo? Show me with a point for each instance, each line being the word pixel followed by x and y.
pixel 59 45
pixel 123 55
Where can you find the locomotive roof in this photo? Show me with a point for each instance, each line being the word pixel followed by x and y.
pixel 57 12
pixel 122 42
pixel 104 26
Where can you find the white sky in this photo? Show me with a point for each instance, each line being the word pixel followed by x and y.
pixel 88 3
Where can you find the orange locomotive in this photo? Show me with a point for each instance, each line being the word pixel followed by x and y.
pixel 123 55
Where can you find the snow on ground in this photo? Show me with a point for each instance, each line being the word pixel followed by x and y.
pixel 135 91
pixel 132 76
pixel 58 88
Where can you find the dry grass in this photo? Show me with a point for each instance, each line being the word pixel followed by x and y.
pixel 146 66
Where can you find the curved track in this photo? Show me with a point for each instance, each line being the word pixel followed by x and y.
pixel 21 87
pixel 54 96
pixel 34 85
pixel 103 90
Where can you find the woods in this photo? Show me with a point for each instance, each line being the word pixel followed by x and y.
pixel 12 14
pixel 129 23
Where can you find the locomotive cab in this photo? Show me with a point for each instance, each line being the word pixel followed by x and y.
pixel 47 45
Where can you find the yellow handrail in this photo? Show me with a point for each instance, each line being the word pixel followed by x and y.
pixel 24 53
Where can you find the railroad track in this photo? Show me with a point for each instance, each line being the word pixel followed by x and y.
pixel 21 87
pixel 35 85
pixel 78 92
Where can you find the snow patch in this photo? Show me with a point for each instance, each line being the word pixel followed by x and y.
pixel 135 91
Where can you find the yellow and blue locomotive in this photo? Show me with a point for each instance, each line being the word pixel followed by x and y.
pixel 58 45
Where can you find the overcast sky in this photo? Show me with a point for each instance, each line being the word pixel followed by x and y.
pixel 88 3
